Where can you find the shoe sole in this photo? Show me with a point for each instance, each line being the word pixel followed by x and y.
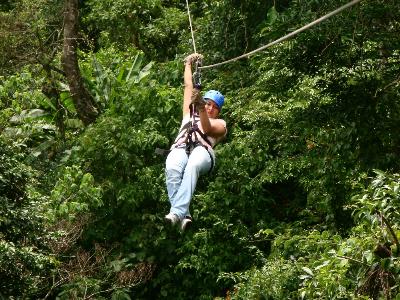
pixel 170 222
pixel 187 226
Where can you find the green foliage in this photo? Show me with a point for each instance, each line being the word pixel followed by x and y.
pixel 7 5
pixel 29 34
pixel 225 28
pixel 306 120
pixel 151 26
pixel 277 279
pixel 15 177
pixel 74 193
pixel 24 261
pixel 22 269
pixel 30 117
pixel 368 260
pixel 110 73
pixel 381 198
pixel 318 265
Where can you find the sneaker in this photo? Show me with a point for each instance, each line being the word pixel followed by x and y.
pixel 171 218
pixel 185 223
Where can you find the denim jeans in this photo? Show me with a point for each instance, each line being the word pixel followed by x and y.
pixel 182 172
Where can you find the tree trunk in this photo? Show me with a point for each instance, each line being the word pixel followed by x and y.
pixel 83 100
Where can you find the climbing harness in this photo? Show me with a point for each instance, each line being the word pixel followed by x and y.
pixel 192 134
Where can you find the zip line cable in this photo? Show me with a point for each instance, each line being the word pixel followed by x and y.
pixel 191 27
pixel 323 18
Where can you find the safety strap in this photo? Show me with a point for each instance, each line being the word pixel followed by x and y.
pixel 192 131
pixel 192 140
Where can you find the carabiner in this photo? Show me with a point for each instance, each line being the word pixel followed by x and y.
pixel 197 74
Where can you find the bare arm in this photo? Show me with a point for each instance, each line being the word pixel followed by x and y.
pixel 211 127
pixel 188 87
pixel 188 81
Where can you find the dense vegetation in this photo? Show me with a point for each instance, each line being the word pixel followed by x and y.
pixel 304 202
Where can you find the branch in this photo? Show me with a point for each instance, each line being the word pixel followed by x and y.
pixel 55 284
pixel 353 259
pixel 395 239
pixel 57 70
pixel 397 80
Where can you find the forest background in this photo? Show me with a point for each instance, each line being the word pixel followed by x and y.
pixel 304 200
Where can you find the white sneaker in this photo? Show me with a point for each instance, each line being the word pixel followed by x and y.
pixel 185 223
pixel 171 218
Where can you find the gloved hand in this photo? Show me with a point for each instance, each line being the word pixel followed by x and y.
pixel 192 58
pixel 197 99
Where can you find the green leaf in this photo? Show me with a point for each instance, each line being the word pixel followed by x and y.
pixel 145 71
pixel 135 66
pixel 272 15
pixel 120 295
pixel 308 271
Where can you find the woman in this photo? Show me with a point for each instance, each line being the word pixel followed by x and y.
pixel 192 153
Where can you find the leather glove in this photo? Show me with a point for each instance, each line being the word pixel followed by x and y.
pixel 192 58
pixel 197 99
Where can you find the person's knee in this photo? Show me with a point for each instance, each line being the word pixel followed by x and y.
pixel 173 170
pixel 173 165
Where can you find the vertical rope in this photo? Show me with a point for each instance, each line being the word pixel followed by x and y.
pixel 191 27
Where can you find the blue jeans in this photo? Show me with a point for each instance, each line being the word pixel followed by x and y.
pixel 182 172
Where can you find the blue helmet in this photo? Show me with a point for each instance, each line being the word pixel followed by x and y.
pixel 215 96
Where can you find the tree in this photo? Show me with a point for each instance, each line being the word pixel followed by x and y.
pixel 83 100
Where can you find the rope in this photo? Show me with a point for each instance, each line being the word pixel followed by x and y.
pixel 286 36
pixel 191 27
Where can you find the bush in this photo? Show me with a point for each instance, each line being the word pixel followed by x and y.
pixel 25 262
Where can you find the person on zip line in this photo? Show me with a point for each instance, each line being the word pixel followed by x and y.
pixel 192 154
